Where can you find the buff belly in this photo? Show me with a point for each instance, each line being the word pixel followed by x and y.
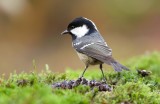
pixel 88 60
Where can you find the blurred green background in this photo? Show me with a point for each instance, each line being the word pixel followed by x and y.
pixel 30 29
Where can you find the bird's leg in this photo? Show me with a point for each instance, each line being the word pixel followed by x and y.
pixel 102 72
pixel 84 71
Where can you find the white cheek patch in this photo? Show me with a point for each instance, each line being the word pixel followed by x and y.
pixel 80 31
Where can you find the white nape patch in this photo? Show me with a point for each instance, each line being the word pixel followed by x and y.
pixel 80 31
pixel 92 23
pixel 86 45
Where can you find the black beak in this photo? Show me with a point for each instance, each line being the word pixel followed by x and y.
pixel 65 32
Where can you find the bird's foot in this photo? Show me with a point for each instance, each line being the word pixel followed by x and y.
pixel 104 80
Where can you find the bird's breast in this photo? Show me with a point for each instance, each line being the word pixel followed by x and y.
pixel 88 60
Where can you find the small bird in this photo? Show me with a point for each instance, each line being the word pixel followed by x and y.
pixel 90 45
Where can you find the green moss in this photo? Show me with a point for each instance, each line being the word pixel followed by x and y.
pixel 128 86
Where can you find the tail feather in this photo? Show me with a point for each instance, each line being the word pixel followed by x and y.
pixel 111 61
pixel 118 67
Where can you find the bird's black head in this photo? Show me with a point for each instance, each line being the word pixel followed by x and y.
pixel 80 27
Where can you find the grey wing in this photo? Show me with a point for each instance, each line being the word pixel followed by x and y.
pixel 98 50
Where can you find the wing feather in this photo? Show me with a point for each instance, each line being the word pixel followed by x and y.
pixel 98 50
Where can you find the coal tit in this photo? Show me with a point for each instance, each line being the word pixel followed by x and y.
pixel 90 45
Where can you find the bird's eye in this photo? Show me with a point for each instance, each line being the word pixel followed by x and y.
pixel 72 27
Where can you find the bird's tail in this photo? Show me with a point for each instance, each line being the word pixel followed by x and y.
pixel 117 66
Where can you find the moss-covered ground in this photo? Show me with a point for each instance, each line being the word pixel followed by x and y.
pixel 129 87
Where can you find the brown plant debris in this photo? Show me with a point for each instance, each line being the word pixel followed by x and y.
pixel 102 86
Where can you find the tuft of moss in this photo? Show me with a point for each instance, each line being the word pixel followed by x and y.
pixel 128 86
